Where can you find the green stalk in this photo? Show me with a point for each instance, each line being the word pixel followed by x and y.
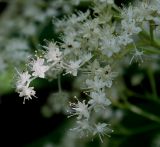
pixel 137 110
pixel 59 83
pixel 151 30
pixel 152 82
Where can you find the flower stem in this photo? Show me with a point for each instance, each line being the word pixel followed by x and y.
pixel 59 83
pixel 152 82
pixel 151 30
pixel 137 110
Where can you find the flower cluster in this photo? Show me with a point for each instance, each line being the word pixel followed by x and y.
pixel 21 25
pixel 91 43
pixel 38 69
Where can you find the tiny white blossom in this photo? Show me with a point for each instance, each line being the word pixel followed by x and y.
pixel 130 27
pixel 157 6
pixel 143 11
pixel 128 13
pixel 39 68
pixel 81 110
pixel 99 99
pixel 124 39
pixel 106 75
pixel 24 78
pixel 70 42
pixel 137 55
pixel 73 67
pixel 27 93
pixel 109 46
pixel 101 129
pixel 53 53
pixel 95 84
pixel 83 128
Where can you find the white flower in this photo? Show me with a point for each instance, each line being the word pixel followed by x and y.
pixel 95 84
pixel 90 28
pixel 144 11
pixel 83 128
pixel 137 55
pixel 22 86
pixel 81 110
pixel 24 79
pixel 101 129
pixel 73 67
pixel 38 68
pixel 99 99
pixel 53 53
pixel 106 75
pixel 124 39
pixel 130 27
pixel 27 93
pixel 81 16
pixel 109 45
pixel 157 6
pixel 70 42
